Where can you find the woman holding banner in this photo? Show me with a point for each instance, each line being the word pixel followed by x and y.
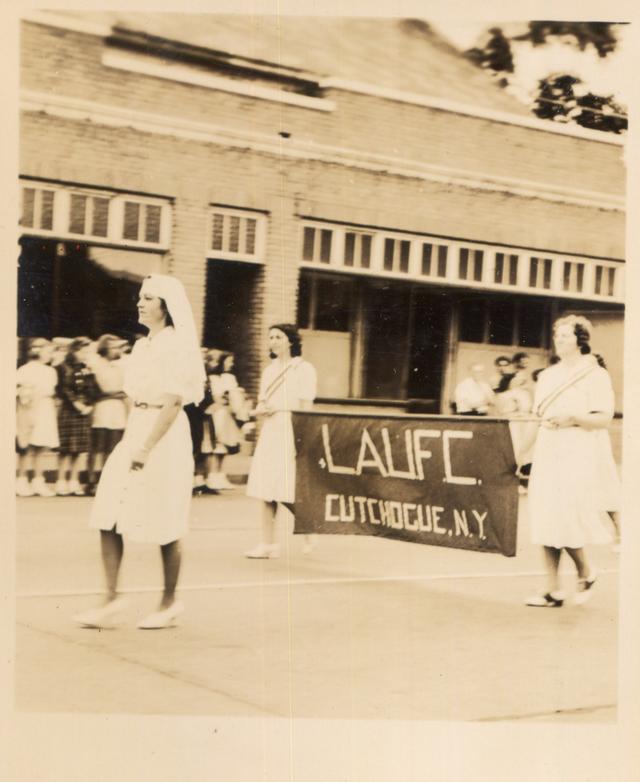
pixel 569 492
pixel 287 384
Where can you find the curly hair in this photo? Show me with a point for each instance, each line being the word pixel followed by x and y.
pixel 292 334
pixel 582 328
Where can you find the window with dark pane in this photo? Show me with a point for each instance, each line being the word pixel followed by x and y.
pixel 234 233
pixel 304 301
pixel 513 270
pixel 250 236
pixel 546 277
pixel 28 206
pixel 498 271
pixel 46 210
pixel 218 231
pixel 308 239
pixel 100 217
pixel 611 274
pixel 349 248
pixel 131 220
pixel 77 214
pixel 533 272
pixel 152 226
pixel 580 277
pixel 388 254
pixel 325 245
pixel 532 321
pixel 472 320
pixel 365 260
pixel 405 249
pixel 463 263
pixel 427 250
pixel 502 318
pixel 442 260
pixel 478 262
pixel 566 276
pixel 597 284
pixel 333 304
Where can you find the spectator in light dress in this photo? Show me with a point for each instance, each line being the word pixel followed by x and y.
pixel 37 427
pixel 473 395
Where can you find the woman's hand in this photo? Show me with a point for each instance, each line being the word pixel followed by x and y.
pixel 559 422
pixel 139 459
pixel 262 410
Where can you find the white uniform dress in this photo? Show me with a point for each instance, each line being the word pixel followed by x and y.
pixel 573 478
pixel 272 476
pixel 37 422
pixel 149 505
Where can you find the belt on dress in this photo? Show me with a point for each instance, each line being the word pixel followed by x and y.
pixel 146 405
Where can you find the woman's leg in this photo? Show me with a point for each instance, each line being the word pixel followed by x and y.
pixel 269 510
pixel 74 466
pixel 112 549
pixel 171 561
pixel 580 560
pixel 552 563
pixel 63 466
pixel 38 452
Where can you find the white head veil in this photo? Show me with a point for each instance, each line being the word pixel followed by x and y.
pixel 171 290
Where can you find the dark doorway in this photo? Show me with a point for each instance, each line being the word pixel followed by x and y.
pixel 431 314
pixel 386 315
pixel 67 289
pixel 231 320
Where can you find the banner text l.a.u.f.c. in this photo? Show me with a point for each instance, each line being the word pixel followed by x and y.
pixel 440 481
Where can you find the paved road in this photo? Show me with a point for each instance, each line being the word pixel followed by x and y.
pixel 361 628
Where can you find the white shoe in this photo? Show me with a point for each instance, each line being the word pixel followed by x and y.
pixel 24 488
pixel 158 620
pixel 223 482
pixel 213 481
pixel 102 617
pixel 585 589
pixel 41 489
pixel 62 489
pixel 74 487
pixel 264 551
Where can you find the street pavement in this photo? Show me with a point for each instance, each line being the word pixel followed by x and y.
pixel 361 628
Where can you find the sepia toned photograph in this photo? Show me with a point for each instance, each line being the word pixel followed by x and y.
pixel 320 368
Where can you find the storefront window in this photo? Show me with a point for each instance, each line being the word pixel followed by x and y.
pixel 501 322
pixel 472 320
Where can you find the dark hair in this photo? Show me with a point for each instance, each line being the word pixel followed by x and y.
pixel 292 334
pixel 167 315
pixel 502 360
pixel 517 357
pixel 536 373
pixel 600 360
pixel 74 348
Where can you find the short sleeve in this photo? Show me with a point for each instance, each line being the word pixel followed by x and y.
pixel 600 397
pixel 173 375
pixel 307 381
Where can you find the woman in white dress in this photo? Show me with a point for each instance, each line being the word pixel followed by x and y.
pixel 570 491
pixel 37 425
pixel 144 492
pixel 288 383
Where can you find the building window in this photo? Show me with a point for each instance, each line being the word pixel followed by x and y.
pixel 325 303
pixel 234 234
pixel 472 320
pixel 502 318
pixel 37 208
pixel 532 323
pixel 470 263
pixel 357 249
pixel 540 273
pixel 572 276
pixel 506 269
pixel 604 281
pixel 434 260
pixel 396 255
pixel 316 244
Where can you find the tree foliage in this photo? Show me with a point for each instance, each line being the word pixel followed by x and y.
pixel 557 97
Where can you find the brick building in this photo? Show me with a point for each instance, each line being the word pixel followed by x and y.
pixel 357 176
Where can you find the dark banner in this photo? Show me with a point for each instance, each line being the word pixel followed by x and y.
pixel 441 481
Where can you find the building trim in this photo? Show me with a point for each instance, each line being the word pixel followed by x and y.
pixel 74 24
pixel 455 107
pixel 185 74
pixel 103 114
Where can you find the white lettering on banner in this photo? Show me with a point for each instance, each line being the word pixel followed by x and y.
pixel 416 454
pixel 367 443
pixel 449 476
pixel 410 474
pixel 402 515
pixel 334 468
